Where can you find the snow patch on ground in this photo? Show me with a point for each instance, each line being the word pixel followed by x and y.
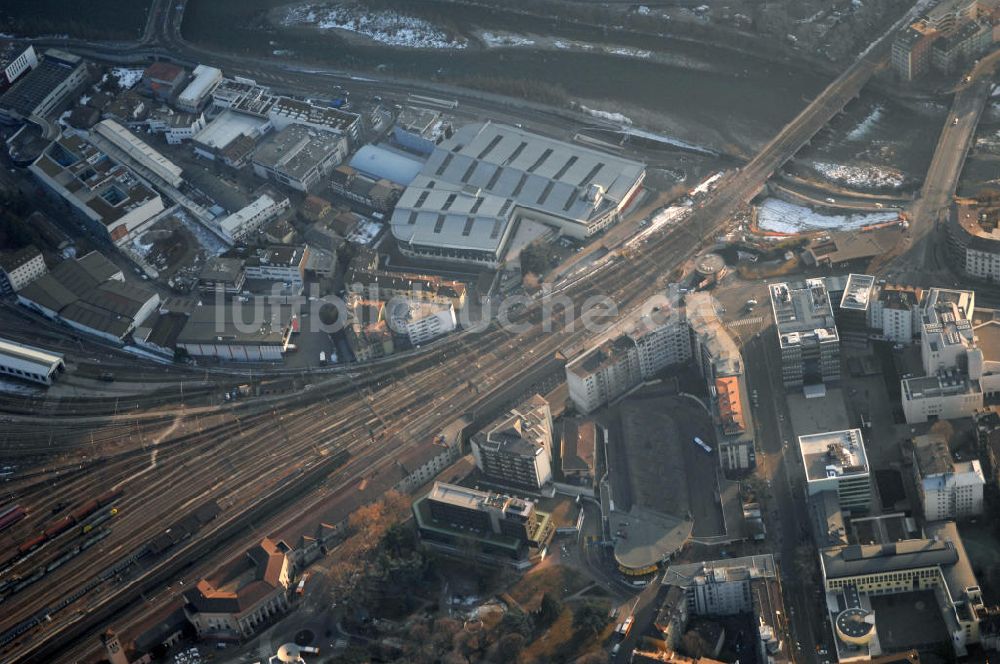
pixel 629 52
pixel 365 233
pixel 127 78
pixel 607 115
pixel 779 216
pixel 386 27
pixel 866 125
pixel 862 176
pixel 502 39
pixel 206 238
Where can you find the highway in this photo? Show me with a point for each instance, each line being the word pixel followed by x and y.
pixel 242 454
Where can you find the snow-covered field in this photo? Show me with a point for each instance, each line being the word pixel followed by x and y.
pixel 505 39
pixel 862 177
pixel 779 216
pixel 366 231
pixel 386 27
pixel 127 78
pixel 865 125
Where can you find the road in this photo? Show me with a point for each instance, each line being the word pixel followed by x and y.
pixel 233 458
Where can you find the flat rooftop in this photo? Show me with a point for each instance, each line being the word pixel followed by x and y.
pixel 296 150
pixel 858 292
pixel 803 313
pixel 227 126
pixel 833 454
pixel 759 566
pixel 645 537
pixel 947 383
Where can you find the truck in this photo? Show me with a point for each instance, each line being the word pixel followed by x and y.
pixel 700 443
pixel 623 629
pixel 322 358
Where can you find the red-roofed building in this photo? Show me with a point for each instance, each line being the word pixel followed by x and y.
pixel 243 595
pixel 163 81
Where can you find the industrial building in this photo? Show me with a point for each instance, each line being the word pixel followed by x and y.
pixel 249 219
pixel 248 98
pixel 39 91
pixel 487 526
pixel 465 204
pixel 381 163
pixel 974 240
pixel 254 332
pixel 837 461
pixel 91 295
pixel 175 127
pixel 299 157
pixel 199 91
pixel 515 450
pixel 654 337
pixel 807 333
pixel 230 137
pixel 29 363
pixel 19 268
pixel 116 201
pixel 140 152
pixel 243 595
pixel 948 489
pixel 421 322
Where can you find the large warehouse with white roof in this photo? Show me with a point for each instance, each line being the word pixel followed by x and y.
pixel 465 203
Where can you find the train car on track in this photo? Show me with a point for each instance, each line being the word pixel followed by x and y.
pixel 10 516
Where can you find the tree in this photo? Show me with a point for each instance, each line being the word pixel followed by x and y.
pixel 509 647
pixel 516 621
pixel 589 617
pixel 548 611
pixel 694 644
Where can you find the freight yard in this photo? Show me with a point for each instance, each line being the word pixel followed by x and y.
pixel 273 332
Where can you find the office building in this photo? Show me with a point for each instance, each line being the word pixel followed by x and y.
pixel 140 152
pixel 420 322
pixel 249 219
pixel 116 202
pixel 946 395
pixel 230 137
pixel 852 574
pixel 299 157
pixel 28 363
pixel 807 333
pixel 515 450
pixel 15 62
pixel 948 489
pixel 655 336
pixel 199 91
pixel 19 268
pixel 222 275
pixel 852 313
pixel 175 127
pixel 836 461
pixel 946 335
pixel 38 92
pixel 481 525
pixel 243 595
pixel 466 202
pixel 282 264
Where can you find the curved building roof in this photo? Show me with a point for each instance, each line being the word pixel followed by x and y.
pixel 381 163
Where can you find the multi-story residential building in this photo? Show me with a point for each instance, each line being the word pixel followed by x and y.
pixel 895 314
pixel 421 322
pixel 516 449
pixel 249 219
pixel 948 489
pixel 20 268
pixel 656 336
pixel 481 525
pixel 946 335
pixel 974 240
pixel 911 50
pixel 968 42
pixel 243 595
pixel 836 461
pixel 367 330
pixel 382 285
pixel 299 157
pixel 807 333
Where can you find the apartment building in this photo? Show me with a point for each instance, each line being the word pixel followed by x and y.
pixel 948 489
pixel 516 449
